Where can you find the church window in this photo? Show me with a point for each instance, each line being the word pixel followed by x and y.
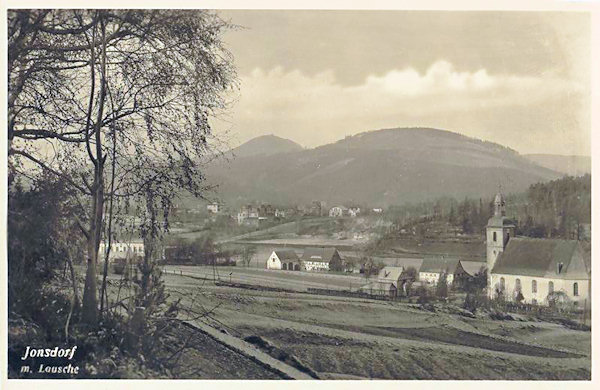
pixel 575 289
pixel 518 285
pixel 533 286
pixel 494 236
pixel 550 287
pixel 502 284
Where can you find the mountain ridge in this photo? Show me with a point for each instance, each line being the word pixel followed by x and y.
pixel 381 167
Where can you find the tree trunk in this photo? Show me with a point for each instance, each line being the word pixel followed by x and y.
pixel 89 314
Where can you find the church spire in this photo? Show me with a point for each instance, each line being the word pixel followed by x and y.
pixel 499 209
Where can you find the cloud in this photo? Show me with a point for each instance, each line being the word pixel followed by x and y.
pixel 315 109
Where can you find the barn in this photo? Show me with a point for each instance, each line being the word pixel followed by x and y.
pixel 284 260
pixel 322 259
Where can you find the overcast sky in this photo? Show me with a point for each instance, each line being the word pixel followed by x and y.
pixel 517 78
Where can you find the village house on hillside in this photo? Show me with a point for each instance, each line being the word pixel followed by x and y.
pixel 354 211
pixel 214 208
pixel 284 260
pixel 530 268
pixel 322 259
pixel 338 212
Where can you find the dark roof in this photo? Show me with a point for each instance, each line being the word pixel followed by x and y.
pixel 439 264
pixel 324 255
pixel 500 221
pixel 286 255
pixel 540 257
pixel 472 267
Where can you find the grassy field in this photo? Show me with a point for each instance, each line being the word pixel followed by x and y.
pixel 352 338
pixel 293 280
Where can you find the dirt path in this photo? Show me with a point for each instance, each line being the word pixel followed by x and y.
pixel 250 351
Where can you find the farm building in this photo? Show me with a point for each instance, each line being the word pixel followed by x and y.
pixel 532 268
pixel 284 260
pixel 433 267
pixel 322 259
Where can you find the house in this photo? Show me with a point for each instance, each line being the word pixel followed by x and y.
pixel 316 208
pixel 390 281
pixel 351 262
pixel 322 259
pixel 338 211
pixel 125 249
pixel 353 211
pixel 380 288
pixel 378 210
pixel 266 210
pixel 532 268
pixel 433 267
pixel 279 213
pixel 284 260
pixel 213 208
pixel 248 212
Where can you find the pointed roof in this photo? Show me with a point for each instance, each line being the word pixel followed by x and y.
pixel 390 275
pixel 472 267
pixel 541 257
pixel 286 255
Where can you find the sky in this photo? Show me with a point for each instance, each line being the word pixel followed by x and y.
pixel 521 79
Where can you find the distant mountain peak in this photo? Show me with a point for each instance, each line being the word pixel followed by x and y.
pixel 266 145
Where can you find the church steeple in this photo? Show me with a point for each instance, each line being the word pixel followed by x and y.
pixel 499 230
pixel 499 205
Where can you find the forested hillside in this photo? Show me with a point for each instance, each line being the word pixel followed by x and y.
pixel 556 209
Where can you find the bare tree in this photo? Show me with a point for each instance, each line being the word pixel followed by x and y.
pixel 129 89
pixel 248 252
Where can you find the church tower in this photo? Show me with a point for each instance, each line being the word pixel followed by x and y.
pixel 498 231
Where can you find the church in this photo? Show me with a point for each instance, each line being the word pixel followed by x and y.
pixel 533 268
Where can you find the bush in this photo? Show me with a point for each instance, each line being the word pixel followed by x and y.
pixel 474 301
pixel 423 295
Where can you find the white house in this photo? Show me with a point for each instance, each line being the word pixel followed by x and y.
pixel 249 215
pixel 213 208
pixel 284 260
pixel 353 211
pixel 338 211
pixel 533 267
pixel 122 249
pixel 433 267
pixel 378 210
